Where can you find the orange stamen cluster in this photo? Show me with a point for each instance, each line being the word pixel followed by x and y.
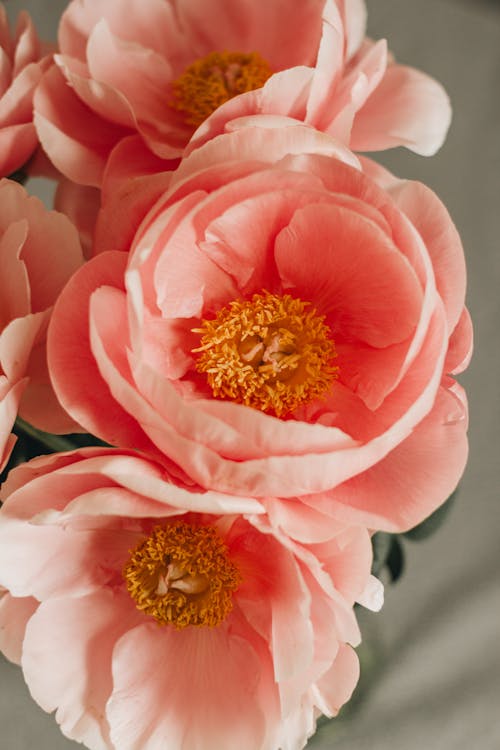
pixel 212 80
pixel 270 353
pixel 181 575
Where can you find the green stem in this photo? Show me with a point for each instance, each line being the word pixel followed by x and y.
pixel 55 442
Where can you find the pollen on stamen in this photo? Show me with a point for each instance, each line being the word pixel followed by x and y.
pixel 273 353
pixel 181 575
pixel 212 80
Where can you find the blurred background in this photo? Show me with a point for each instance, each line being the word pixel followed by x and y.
pixel 432 674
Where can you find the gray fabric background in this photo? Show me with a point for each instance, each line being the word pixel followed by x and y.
pixel 437 641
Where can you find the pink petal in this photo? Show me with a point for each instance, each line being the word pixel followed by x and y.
pixel 408 108
pixel 133 181
pixel 433 222
pixel 80 203
pixel 101 99
pixel 27 43
pixel 352 273
pixel 77 141
pixel 14 283
pixel 153 25
pixel 17 341
pixel 74 371
pixel 246 27
pixel 14 616
pixel 337 685
pixel 141 75
pixel 211 677
pixel 16 104
pixel 17 143
pixel 415 478
pixel 460 346
pixel 67 660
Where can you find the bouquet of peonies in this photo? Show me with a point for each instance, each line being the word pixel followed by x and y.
pixel 226 362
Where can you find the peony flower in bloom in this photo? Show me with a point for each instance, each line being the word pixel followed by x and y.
pixel 283 326
pixel 151 615
pixel 21 68
pixel 39 250
pixel 160 70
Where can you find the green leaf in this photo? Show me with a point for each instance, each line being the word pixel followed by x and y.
pixel 433 522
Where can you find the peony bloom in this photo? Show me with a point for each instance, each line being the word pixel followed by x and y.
pixel 21 68
pixel 150 615
pixel 160 70
pixel 39 251
pixel 283 326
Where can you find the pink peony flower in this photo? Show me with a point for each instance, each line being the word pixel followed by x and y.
pixel 21 68
pixel 161 69
pixel 151 615
pixel 284 326
pixel 39 251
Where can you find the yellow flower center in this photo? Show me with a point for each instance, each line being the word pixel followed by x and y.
pixel 212 80
pixel 270 353
pixel 181 575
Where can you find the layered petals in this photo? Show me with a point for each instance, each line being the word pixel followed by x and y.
pixel 22 65
pixel 278 655
pixel 379 260
pixel 39 250
pixel 122 71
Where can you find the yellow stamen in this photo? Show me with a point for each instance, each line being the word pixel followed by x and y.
pixel 181 574
pixel 212 80
pixel 269 353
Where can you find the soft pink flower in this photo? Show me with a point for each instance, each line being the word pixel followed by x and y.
pixel 125 61
pixel 39 250
pixel 275 655
pixel 21 68
pixel 272 210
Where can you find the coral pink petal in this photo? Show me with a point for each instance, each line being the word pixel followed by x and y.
pixel 75 375
pixel 141 75
pixel 328 68
pixel 14 281
pixel 77 141
pixel 5 71
pixel 433 222
pixel 355 17
pixel 27 43
pixel 337 685
pixel 415 478
pixel 460 345
pixel 14 615
pixel 408 108
pixel 187 281
pixel 353 271
pixel 17 143
pixel 16 104
pixel 52 253
pixel 153 25
pixel 67 660
pixel 39 405
pixel 101 98
pixel 222 705
pixel 337 555
pixel 133 181
pixel 80 203
pixel 17 340
pixel 275 138
pixel 246 27
pixel 10 396
pixel 370 373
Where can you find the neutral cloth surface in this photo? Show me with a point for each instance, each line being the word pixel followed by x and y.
pixel 437 641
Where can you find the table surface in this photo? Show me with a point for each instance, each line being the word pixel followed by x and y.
pixel 438 637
